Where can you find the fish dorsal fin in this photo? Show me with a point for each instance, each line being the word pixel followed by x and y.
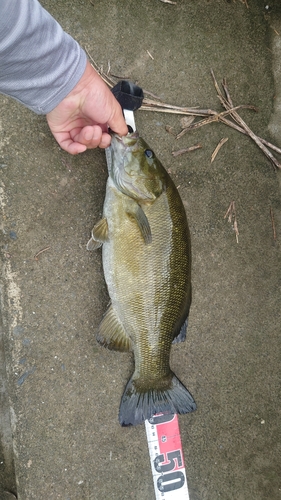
pixel 135 212
pixel 99 235
pixel 112 334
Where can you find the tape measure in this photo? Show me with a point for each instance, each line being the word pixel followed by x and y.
pixel 166 457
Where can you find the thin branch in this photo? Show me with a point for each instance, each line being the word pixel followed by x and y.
pixel 227 104
pixel 214 118
pixel 240 129
pixel 186 150
pixel 231 214
pixel 41 251
pixel 273 223
pixel 151 105
pixel 220 144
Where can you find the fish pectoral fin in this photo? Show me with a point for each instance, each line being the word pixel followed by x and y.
pixel 99 235
pixel 112 334
pixel 135 212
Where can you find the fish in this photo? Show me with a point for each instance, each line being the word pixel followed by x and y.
pixel 146 255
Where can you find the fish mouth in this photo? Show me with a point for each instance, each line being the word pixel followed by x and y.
pixel 126 141
pixel 120 147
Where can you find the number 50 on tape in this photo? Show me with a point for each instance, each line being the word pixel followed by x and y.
pixel 166 457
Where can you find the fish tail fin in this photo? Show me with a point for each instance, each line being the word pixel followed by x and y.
pixel 138 404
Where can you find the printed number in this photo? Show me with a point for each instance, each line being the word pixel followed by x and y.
pixel 169 481
pixel 175 481
pixel 171 456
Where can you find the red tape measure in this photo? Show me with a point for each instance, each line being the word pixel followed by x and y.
pixel 166 457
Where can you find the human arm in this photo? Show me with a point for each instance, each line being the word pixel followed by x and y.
pixel 82 119
pixel 45 69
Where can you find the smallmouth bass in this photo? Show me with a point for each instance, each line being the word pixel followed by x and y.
pixel 147 267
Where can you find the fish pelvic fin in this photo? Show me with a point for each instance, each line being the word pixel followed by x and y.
pixel 111 333
pixel 138 405
pixel 99 235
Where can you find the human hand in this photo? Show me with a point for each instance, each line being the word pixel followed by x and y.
pixel 82 118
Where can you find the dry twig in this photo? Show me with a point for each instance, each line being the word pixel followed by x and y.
pixel 237 123
pixel 186 150
pixel 220 144
pixel 227 104
pixel 150 55
pixel 41 251
pixel 273 223
pixel 170 130
pixel 214 118
pixel 231 214
pixel 239 129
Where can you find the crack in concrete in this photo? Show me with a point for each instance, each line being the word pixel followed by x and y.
pixel 11 293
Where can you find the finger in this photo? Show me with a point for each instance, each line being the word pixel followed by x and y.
pixel 73 147
pixel 78 140
pixel 89 135
pixel 117 123
pixel 93 137
pixel 105 140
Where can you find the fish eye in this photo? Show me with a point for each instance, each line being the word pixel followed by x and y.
pixel 148 153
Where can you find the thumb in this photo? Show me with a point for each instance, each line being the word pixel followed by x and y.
pixel 117 122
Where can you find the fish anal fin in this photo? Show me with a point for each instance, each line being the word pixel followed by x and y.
pixel 111 333
pixel 135 212
pixel 181 336
pixel 99 235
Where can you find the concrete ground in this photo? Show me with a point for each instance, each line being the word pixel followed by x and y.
pixel 61 390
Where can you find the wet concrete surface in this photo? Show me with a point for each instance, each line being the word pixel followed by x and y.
pixel 63 389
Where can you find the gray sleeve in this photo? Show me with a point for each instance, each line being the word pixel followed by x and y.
pixel 39 63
